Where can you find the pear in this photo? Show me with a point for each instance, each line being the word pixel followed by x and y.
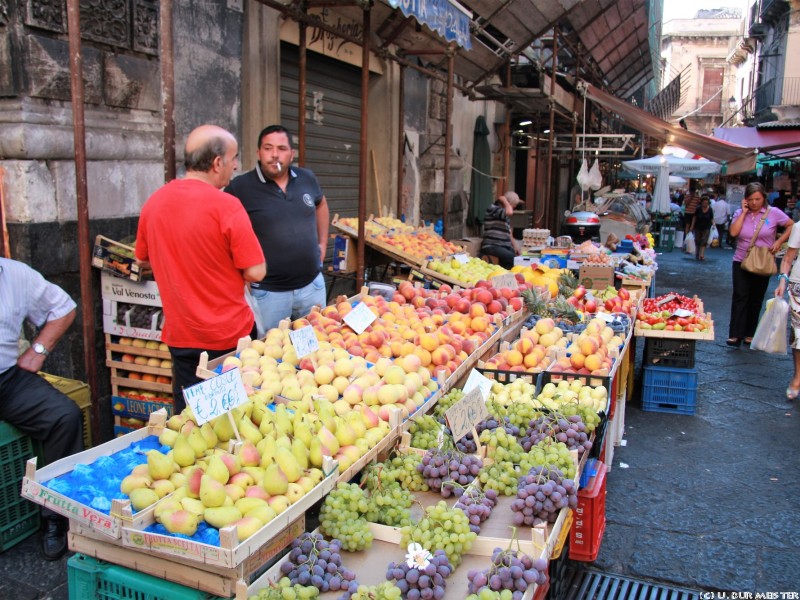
pixel 221 516
pixel 315 452
pixel 207 431
pixel 267 425
pixel 266 448
pixel 166 504
pixel 275 481
pixel 247 526
pixel 162 487
pixel 257 473
pixel 285 441
pixel 193 505
pixel 217 469
pixel 283 424
pixel 232 462
pixel 300 452
pixel 212 492
pixel 248 454
pixel 265 513
pixel 182 452
pixel 180 521
pixel 247 504
pixel 180 493
pixel 175 422
pixel 248 431
pixel 234 492
pixel 177 479
pixel 329 441
pixel 193 481
pixel 133 482
pixel 198 442
pixel 294 492
pixel 356 421
pixel 223 428
pixel 168 437
pixel 345 434
pixel 306 483
pixel 159 466
pixel 142 498
pixel 302 432
pixel 288 464
pixel 259 408
pixel 279 503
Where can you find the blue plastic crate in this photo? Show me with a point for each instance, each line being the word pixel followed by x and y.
pixel 669 390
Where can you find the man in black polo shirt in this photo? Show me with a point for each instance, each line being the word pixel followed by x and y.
pixel 290 218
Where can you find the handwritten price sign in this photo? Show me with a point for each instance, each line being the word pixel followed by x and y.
pixel 216 396
pixel 465 414
pixel 360 317
pixel 507 280
pixel 304 341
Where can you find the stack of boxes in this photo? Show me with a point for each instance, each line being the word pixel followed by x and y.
pixel 670 377
pixel 141 369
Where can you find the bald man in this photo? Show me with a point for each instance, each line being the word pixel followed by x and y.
pixel 202 249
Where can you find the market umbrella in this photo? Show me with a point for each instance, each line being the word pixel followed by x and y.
pixel 661 190
pixel 676 181
pixel 480 192
pixel 685 167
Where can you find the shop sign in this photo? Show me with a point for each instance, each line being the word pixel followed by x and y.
pixel 441 16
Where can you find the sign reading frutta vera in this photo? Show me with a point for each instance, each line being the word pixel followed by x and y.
pixel 304 341
pixel 214 397
pixel 359 318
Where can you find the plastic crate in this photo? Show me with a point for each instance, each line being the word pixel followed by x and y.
pixel 19 518
pixel 80 394
pixel 98 580
pixel 589 519
pixel 505 377
pixel 666 352
pixel 669 390
pixel 560 573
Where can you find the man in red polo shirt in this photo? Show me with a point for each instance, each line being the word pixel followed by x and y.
pixel 202 248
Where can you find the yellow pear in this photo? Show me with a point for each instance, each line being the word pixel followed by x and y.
pixel 166 504
pixel 223 428
pixel 267 446
pixel 315 452
pixel 182 452
pixel 302 432
pixel 284 441
pixel 265 513
pixel 247 504
pixel 248 431
pixel 221 516
pixel 212 492
pixel 175 422
pixel 257 473
pixel 275 481
pixel 300 452
pixel 180 521
pixel 162 487
pixel 247 526
pixel 345 434
pixel 142 498
pixel 217 469
pixel 288 464
pixel 207 431
pixel 267 425
pixel 197 442
pixel 159 466
pixel 178 479
pixel 356 421
pixel 283 424
pixel 248 454
pixel 330 445
pixel 168 437
pixel 259 408
pixel 193 505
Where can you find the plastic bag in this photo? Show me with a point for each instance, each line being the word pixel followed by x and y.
pixel 691 247
pixel 583 176
pixel 260 330
pixel 771 331
pixel 595 177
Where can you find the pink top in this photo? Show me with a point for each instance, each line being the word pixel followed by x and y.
pixel 766 237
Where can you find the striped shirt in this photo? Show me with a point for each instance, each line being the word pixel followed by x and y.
pixel 25 294
pixel 497 228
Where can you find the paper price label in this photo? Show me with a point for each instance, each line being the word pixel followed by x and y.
pixel 462 258
pixel 359 318
pixel 682 312
pixel 507 280
pixel 216 396
pixel 304 341
pixel 465 414
pixel 607 317
pixel 478 380
pixel 666 299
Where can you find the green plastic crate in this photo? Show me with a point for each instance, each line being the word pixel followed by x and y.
pixel 19 518
pixel 91 579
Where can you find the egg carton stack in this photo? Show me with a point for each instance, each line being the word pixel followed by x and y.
pixel 534 239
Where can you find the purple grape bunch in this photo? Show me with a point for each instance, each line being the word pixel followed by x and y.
pixel 570 430
pixel 313 561
pixel 449 472
pixel 510 570
pixel 422 583
pixel 477 504
pixel 541 494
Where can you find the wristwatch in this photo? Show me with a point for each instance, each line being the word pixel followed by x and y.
pixel 40 349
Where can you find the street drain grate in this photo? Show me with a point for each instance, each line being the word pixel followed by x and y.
pixel 593 585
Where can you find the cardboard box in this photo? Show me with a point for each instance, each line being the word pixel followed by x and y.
pixel 138 408
pixel 596 277
pixel 344 254
pixel 131 309
pixel 472 245
pixel 117 258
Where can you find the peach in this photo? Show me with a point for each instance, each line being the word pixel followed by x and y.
pixel 531 360
pixel 479 323
pixel 577 360
pixel 429 341
pixel 525 345
pixel 593 362
pixel 411 363
pixel 514 357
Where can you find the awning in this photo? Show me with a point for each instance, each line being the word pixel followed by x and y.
pixel 782 143
pixel 733 158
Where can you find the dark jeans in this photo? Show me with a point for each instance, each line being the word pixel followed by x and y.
pixel 748 295
pixel 39 410
pixel 184 369
pixel 503 254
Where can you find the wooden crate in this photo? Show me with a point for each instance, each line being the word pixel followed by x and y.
pixel 707 335
pixel 108 525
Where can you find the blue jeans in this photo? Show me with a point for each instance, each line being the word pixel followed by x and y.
pixel 276 306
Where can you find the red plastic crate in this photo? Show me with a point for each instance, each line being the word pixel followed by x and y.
pixel 589 518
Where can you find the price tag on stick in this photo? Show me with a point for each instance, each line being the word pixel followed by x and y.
pixel 507 280
pixel 479 380
pixel 304 341
pixel 214 397
pixel 360 317
pixel 465 414
pixel 461 258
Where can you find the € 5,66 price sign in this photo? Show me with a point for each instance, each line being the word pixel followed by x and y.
pixel 465 414
pixel 216 396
